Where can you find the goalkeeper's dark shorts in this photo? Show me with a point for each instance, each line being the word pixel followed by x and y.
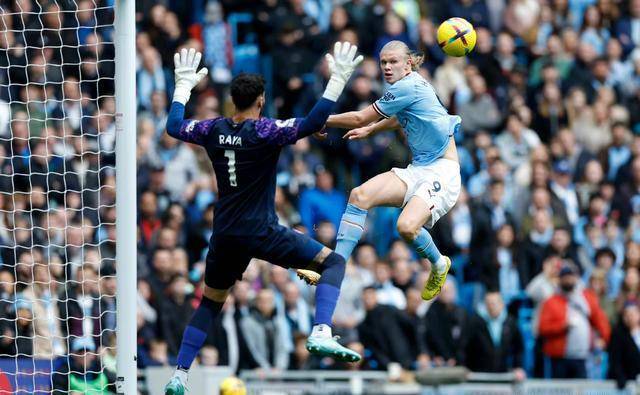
pixel 229 256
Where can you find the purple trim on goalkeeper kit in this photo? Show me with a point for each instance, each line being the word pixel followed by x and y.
pixel 192 131
pixel 278 132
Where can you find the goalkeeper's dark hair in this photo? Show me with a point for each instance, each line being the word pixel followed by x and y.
pixel 245 89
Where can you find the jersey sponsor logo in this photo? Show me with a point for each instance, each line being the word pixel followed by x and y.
pixel 388 96
pixel 191 126
pixel 230 140
pixel 288 123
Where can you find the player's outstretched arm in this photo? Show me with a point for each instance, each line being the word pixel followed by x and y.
pixel 369 130
pixel 187 77
pixel 353 119
pixel 341 64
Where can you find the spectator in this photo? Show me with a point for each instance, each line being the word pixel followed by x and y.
pixel 175 311
pixel 158 353
pixel 150 77
pixel 618 153
pixel 386 292
pixel 565 191
pixel 209 356
pixel 446 324
pixel 625 27
pixel 349 310
pixel 82 310
pixel 630 287
pixel 297 311
pixel 605 260
pixel 475 11
pixel 531 251
pixel 402 274
pixel 481 111
pixel 218 50
pixel 568 322
pixel 505 272
pixel 416 309
pixel 494 343
pixel 487 217
pixel 83 372
pixel 301 359
pixel 593 31
pixel 179 163
pixel 384 332
pixel 543 285
pixel 394 29
pixel 624 350
pixel 598 284
pixel 516 142
pixel 323 202
pixel 265 333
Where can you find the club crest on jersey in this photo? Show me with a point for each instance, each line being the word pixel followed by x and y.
pixel 388 96
pixel 230 140
pixel 190 126
pixel 286 123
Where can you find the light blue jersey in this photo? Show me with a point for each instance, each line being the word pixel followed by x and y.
pixel 423 117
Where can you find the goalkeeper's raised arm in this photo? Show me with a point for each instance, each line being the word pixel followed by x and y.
pixel 342 63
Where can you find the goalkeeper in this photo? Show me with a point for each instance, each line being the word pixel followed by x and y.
pixel 244 151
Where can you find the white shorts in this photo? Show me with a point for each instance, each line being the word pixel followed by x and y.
pixel 438 184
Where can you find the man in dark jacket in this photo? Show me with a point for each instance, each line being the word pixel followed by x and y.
pixel 446 324
pixel 386 332
pixel 494 343
pixel 624 350
pixel 487 215
pixel 175 309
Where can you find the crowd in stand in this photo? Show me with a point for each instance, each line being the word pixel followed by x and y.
pixel 545 237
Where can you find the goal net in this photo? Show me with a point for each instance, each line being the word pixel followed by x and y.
pixel 57 196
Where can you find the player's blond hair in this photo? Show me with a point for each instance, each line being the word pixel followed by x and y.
pixel 415 57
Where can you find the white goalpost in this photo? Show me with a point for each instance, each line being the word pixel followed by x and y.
pixel 126 248
pixel 67 197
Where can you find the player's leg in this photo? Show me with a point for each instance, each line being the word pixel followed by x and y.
pixel 410 227
pixel 222 271
pixel 291 249
pixel 432 199
pixel 385 189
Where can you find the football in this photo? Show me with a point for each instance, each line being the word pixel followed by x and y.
pixel 456 37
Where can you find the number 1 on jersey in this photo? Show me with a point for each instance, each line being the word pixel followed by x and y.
pixel 232 167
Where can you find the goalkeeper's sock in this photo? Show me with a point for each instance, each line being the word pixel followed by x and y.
pixel 328 289
pixel 195 333
pixel 351 229
pixel 181 374
pixel 321 330
pixel 426 248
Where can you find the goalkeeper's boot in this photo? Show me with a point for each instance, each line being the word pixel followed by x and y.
pixel 329 347
pixel 309 276
pixel 436 281
pixel 175 387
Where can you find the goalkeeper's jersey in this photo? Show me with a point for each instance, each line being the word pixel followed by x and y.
pixel 244 158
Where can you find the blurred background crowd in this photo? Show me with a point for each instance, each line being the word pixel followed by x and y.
pixel 544 238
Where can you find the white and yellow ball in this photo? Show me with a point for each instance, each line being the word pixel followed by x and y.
pixel 456 37
pixel 232 386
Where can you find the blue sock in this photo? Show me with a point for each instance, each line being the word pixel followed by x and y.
pixel 425 247
pixel 350 231
pixel 328 289
pixel 195 333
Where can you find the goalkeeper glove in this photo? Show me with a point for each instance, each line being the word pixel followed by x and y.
pixel 341 65
pixel 186 63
